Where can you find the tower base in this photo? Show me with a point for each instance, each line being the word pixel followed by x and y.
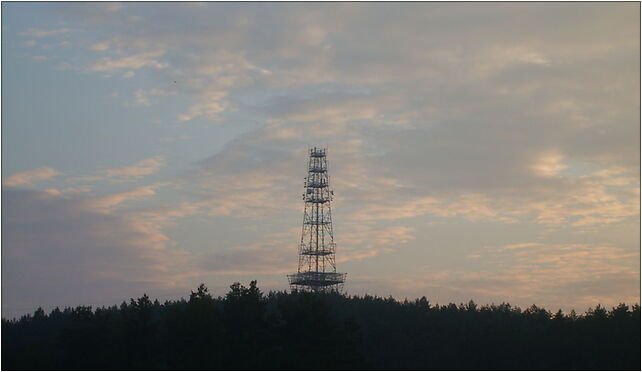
pixel 317 281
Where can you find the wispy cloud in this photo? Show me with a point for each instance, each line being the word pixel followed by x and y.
pixel 132 62
pixel 28 178
pixel 555 276
pixel 128 173
pixel 34 32
pixel 107 202
pixel 145 98
pixel 364 241
pixel 99 47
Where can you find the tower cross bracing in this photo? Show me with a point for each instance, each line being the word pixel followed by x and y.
pixel 317 267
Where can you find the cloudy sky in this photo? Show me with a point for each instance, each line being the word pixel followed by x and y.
pixel 477 151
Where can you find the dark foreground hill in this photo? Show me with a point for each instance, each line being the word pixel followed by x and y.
pixel 246 330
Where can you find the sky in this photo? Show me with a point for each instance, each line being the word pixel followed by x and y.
pixel 484 151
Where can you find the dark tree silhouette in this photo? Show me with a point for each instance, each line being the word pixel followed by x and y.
pixel 247 330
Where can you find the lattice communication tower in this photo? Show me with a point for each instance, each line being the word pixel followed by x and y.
pixel 317 269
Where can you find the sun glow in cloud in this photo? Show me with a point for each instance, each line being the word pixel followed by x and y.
pixel 549 165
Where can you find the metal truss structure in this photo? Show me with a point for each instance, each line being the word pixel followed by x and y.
pixel 317 268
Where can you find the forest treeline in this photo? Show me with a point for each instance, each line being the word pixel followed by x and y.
pixel 247 330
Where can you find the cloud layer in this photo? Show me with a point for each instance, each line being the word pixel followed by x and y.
pixel 60 251
pixel 518 117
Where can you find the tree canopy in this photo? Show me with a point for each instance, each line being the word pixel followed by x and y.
pixel 248 330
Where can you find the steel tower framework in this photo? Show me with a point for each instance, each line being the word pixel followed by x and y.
pixel 317 268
